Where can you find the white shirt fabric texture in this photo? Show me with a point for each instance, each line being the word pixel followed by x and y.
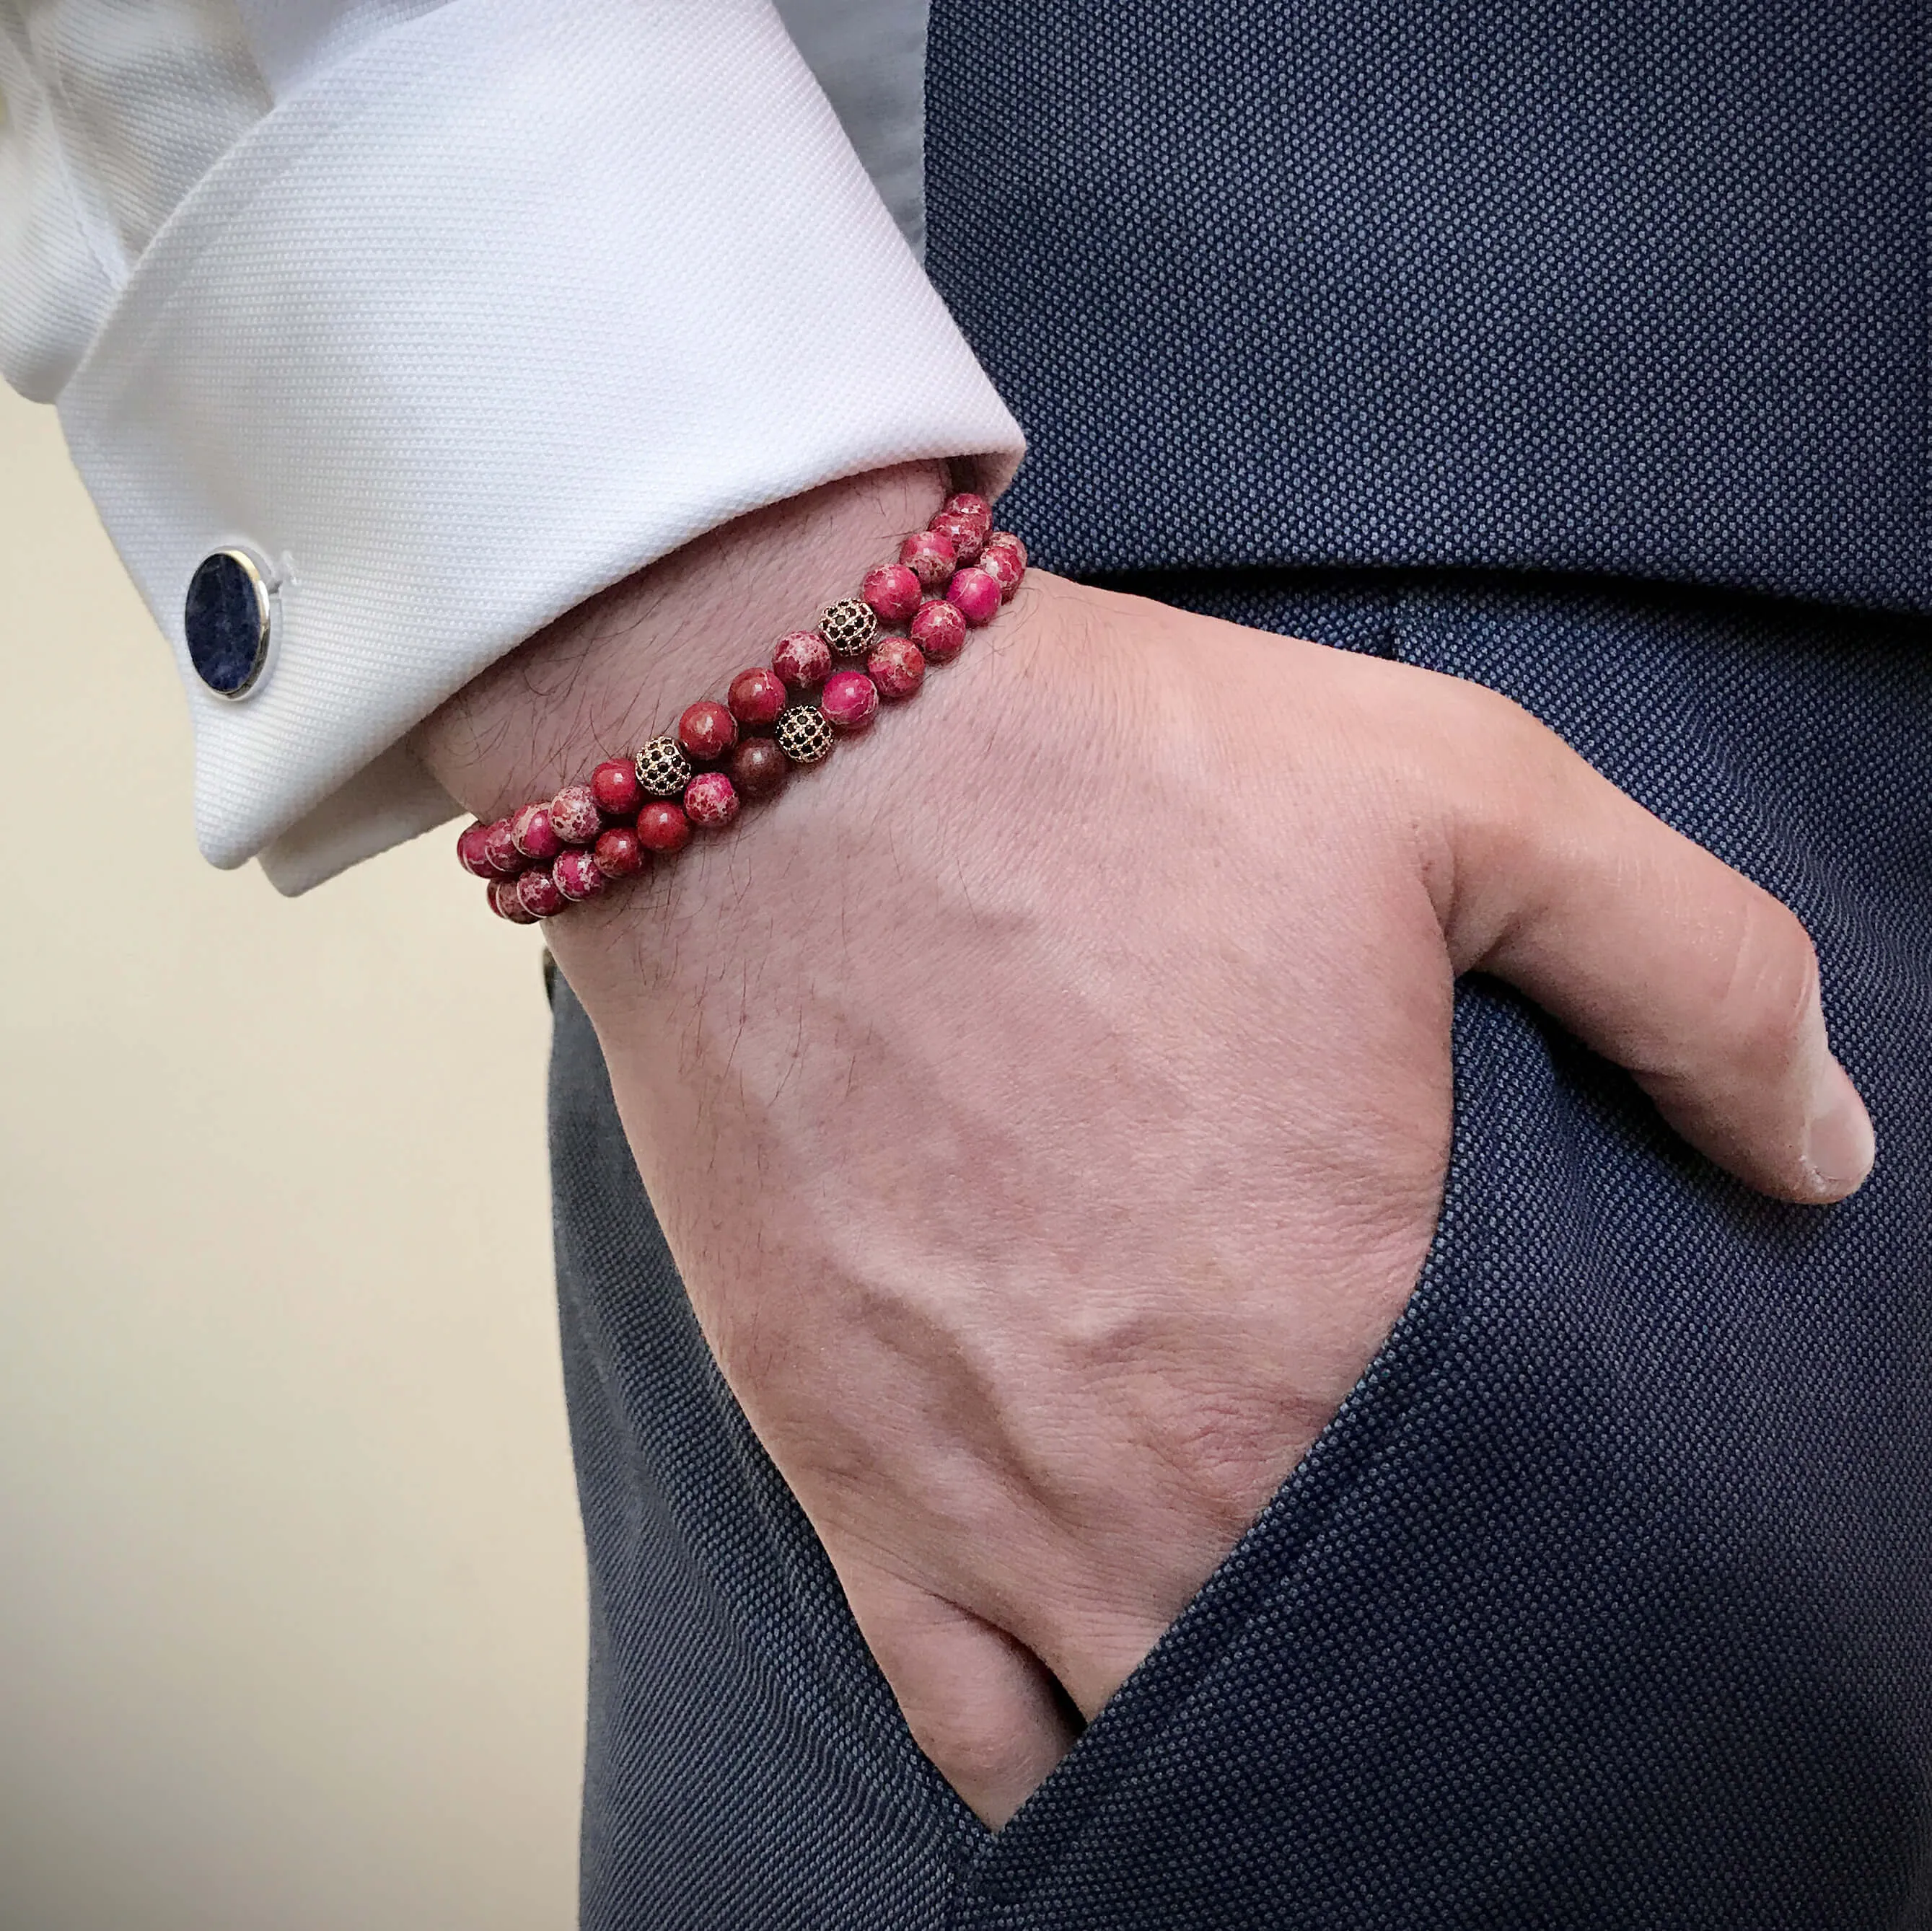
pixel 455 312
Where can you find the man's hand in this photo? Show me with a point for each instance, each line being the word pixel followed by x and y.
pixel 1047 1101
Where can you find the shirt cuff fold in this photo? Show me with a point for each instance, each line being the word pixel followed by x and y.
pixel 520 296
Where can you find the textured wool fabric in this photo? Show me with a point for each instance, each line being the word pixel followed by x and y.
pixel 455 312
pixel 1637 289
pixel 1605 1605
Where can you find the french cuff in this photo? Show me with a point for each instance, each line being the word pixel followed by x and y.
pixel 519 297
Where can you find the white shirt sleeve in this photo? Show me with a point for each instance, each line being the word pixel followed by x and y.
pixel 452 312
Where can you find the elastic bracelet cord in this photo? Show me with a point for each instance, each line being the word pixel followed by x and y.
pixel 951 578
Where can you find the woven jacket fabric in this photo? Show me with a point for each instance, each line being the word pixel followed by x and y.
pixel 1639 289
pixel 1605 1605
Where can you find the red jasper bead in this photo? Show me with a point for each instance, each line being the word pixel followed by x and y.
pixel 577 875
pixel 707 730
pixel 1003 565
pixel 851 700
pixel 502 848
pixel 615 786
pixel 976 596
pixel 930 557
pixel 618 853
pixel 896 667
pixel 573 815
pixel 532 833
pixel 968 502
pixel 1004 539
pixel 966 535
pixel 757 697
pixel 711 801
pixel 940 630
pixel 758 768
pixel 663 827
pixel 505 902
pixel 537 891
pixel 893 591
pixel 804 658
pixel 472 852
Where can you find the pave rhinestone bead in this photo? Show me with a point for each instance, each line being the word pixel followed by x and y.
pixel 849 627
pixel 710 800
pixel 578 876
pixel 802 658
pixel 930 557
pixel 615 786
pixel 893 591
pixel 617 852
pixel 758 768
pixel 573 815
pixel 532 833
pixel 505 902
pixel 896 667
pixel 851 700
pixel 940 630
pixel 804 733
pixel 663 827
pixel 756 698
pixel 663 770
pixel 707 730
pixel 537 891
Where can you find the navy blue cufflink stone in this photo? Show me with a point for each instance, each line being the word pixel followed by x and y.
pixel 228 621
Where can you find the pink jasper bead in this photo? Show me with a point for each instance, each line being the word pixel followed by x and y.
pixel 930 557
pixel 618 854
pixel 707 730
pixel 757 697
pixel 976 596
pixel 1004 539
pixel 615 786
pixel 577 875
pixel 532 833
pixel 663 827
pixel 802 658
pixel 1004 567
pixel 537 891
pixel 896 667
pixel 573 815
pixel 851 700
pixel 940 630
pixel 502 848
pixel 969 503
pixel 710 800
pixel 504 901
pixel 966 535
pixel 472 852
pixel 893 591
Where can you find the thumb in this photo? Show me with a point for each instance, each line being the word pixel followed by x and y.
pixel 984 1708
pixel 1658 956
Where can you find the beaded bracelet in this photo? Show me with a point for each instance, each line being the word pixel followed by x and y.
pixel 952 577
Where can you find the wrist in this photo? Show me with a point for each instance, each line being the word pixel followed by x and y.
pixel 620 667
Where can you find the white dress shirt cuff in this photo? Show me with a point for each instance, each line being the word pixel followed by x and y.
pixel 520 296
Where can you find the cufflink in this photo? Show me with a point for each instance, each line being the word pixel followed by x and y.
pixel 229 621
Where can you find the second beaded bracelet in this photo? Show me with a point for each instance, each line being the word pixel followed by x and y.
pixel 951 578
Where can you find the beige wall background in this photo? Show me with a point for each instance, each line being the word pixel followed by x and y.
pixel 291 1592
